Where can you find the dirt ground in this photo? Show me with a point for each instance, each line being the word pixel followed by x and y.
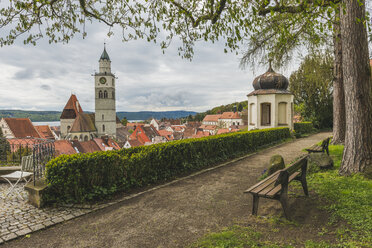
pixel 180 213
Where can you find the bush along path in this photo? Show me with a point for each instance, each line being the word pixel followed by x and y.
pixel 338 213
pixel 177 214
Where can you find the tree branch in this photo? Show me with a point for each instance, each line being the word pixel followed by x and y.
pixel 265 9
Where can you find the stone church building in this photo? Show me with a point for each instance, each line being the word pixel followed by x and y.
pixel 78 125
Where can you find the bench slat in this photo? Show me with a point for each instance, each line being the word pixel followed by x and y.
pixel 296 165
pixel 269 178
pixel 275 190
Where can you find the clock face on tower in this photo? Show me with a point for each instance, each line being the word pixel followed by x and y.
pixel 102 80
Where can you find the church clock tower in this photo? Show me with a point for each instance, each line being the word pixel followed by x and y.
pixel 105 117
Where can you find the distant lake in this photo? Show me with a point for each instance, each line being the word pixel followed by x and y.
pixel 135 120
pixel 50 123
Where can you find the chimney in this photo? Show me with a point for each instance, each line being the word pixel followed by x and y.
pixel 105 138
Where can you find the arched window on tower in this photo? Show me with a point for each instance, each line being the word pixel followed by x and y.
pixel 105 94
pixel 103 117
pixel 113 95
pixel 103 128
pixel 100 94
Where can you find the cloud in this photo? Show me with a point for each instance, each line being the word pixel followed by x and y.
pixel 44 76
pixel 45 87
pixel 26 73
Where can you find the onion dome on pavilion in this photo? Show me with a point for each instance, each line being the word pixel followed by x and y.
pixel 270 82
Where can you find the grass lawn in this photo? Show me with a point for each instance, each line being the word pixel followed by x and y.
pixel 347 202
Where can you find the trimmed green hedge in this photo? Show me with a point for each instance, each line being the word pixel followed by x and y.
pixel 92 176
pixel 303 127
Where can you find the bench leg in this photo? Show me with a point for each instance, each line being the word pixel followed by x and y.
pixel 284 201
pixel 255 204
pixel 304 186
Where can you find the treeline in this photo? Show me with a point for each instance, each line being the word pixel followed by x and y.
pixel 33 115
pixel 145 115
pixel 238 106
pixel 55 115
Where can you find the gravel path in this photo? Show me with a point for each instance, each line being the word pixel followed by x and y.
pixel 174 215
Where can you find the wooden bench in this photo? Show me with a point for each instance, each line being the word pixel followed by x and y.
pixel 323 147
pixel 275 186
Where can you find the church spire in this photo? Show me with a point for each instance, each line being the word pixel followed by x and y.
pixel 104 54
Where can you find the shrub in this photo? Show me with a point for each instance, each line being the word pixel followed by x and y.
pixel 92 176
pixel 301 128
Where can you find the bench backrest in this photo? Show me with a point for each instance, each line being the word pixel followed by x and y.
pixel 285 173
pixel 325 143
pixel 27 163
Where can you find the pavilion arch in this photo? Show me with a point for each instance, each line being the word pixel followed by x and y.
pixel 282 113
pixel 265 114
pixel 252 112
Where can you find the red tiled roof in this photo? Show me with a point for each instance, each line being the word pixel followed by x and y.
pixel 112 143
pixel 189 132
pixel 72 108
pixel 105 145
pixel 193 124
pixel 168 135
pixel 63 147
pixel 201 134
pixel 45 132
pixel 178 128
pixel 208 127
pixel 230 115
pixel 89 146
pixel 223 130
pixel 22 127
pixel 144 134
pixel 134 143
pixel 211 118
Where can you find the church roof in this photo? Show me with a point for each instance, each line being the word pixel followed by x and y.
pixel 83 123
pixel 104 55
pixel 22 127
pixel 72 108
pixel 211 118
pixel 230 115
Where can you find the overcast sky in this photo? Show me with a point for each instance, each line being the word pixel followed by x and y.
pixel 42 77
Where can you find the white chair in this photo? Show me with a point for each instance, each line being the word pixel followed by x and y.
pixel 17 176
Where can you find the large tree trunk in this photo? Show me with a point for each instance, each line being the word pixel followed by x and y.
pixel 357 83
pixel 339 123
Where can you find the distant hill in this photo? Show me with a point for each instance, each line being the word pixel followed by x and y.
pixel 33 115
pixel 144 115
pixel 141 115
pixel 54 115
